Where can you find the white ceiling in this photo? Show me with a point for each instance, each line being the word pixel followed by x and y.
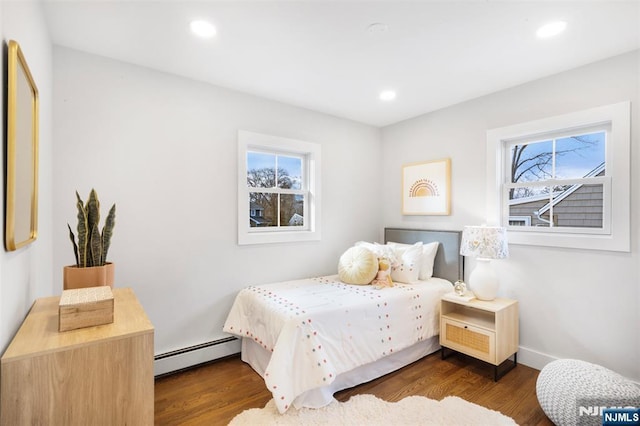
pixel 319 54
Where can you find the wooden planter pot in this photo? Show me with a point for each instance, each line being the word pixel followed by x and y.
pixel 74 277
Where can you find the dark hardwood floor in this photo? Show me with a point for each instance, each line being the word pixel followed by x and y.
pixel 212 394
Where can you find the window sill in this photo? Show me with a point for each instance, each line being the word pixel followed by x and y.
pixel 576 241
pixel 247 238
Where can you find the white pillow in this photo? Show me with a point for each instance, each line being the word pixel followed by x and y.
pixel 357 265
pixel 427 258
pixel 380 250
pixel 407 267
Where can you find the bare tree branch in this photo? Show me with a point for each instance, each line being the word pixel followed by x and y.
pixel 537 167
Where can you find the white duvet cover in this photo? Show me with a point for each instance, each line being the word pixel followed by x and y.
pixel 317 328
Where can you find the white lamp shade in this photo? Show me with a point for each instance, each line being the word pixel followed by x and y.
pixel 488 242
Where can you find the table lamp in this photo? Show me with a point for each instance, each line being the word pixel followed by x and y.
pixel 485 243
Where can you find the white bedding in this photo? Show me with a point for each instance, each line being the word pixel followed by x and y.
pixel 318 328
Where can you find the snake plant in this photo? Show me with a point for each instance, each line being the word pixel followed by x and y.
pixel 93 245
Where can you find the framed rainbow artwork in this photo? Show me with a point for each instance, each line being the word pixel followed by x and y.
pixel 426 188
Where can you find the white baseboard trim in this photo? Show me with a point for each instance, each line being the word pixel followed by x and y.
pixel 538 360
pixel 533 359
pixel 194 355
pixel 210 351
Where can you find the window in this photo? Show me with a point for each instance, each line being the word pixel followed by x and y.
pixel 553 182
pixel 278 189
pixel 559 181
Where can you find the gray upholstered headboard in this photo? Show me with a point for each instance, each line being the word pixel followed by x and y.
pixel 448 263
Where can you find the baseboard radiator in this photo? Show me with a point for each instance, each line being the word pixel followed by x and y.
pixel 193 355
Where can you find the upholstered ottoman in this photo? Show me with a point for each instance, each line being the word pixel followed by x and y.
pixel 571 392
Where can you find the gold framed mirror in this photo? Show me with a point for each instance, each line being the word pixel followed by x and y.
pixel 22 152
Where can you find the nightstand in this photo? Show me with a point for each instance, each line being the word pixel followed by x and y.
pixel 486 330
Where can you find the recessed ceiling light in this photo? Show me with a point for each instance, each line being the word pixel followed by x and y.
pixel 551 29
pixel 387 95
pixel 203 29
pixel 377 28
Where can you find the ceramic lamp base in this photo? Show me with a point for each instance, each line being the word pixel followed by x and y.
pixel 483 280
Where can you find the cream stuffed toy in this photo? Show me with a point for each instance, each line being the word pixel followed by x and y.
pixel 383 278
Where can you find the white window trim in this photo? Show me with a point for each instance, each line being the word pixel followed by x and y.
pixel 618 168
pixel 248 141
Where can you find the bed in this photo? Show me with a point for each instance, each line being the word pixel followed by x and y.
pixel 310 338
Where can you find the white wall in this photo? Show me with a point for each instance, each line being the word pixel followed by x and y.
pixel 573 303
pixel 25 274
pixel 164 148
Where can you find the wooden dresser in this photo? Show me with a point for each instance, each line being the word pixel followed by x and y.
pixel 99 375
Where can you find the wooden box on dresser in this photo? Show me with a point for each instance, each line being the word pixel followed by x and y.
pixel 99 375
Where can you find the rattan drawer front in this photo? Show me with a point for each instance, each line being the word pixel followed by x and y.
pixel 468 339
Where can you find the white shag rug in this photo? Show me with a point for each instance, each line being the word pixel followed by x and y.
pixel 370 411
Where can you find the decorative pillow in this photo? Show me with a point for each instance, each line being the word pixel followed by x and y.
pixel 426 259
pixel 407 268
pixel 357 265
pixel 380 250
